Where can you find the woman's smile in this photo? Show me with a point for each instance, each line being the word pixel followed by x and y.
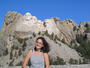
pixel 38 46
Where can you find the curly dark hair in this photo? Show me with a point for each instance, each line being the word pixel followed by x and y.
pixel 46 47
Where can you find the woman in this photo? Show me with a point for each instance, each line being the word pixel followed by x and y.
pixel 38 56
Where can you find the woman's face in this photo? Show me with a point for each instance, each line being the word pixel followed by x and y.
pixel 39 44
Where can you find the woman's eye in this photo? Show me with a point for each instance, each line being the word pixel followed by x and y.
pixel 39 42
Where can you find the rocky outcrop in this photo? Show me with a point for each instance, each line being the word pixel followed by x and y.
pixel 29 23
pixel 20 32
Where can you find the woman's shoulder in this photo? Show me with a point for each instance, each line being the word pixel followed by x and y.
pixel 45 54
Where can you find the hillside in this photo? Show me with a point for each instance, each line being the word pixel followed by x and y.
pixel 68 41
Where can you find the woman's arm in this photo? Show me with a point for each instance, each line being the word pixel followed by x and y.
pixel 26 59
pixel 46 58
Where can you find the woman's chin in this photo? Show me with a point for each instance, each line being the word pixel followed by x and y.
pixel 37 47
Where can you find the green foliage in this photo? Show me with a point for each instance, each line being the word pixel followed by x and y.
pixel 80 62
pixel 34 35
pixel 58 61
pixel 84 47
pixel 87 28
pixel 19 64
pixel 15 55
pixel 50 36
pixel 79 38
pixel 44 24
pixel 6 52
pixel 56 38
pixel 72 41
pixel 6 23
pixel 24 46
pixel 74 28
pixel 73 61
pixel 11 55
pixel 20 52
pixel 20 40
pixel 83 61
pixel 63 41
pixel 11 63
pixel 28 64
pixel 0 55
pixel 46 33
pixel 39 33
pixel 23 42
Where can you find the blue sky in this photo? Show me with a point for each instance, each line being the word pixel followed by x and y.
pixel 77 10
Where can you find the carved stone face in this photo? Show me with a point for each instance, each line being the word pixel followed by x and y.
pixel 27 16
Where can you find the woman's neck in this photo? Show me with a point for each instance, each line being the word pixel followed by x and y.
pixel 38 50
